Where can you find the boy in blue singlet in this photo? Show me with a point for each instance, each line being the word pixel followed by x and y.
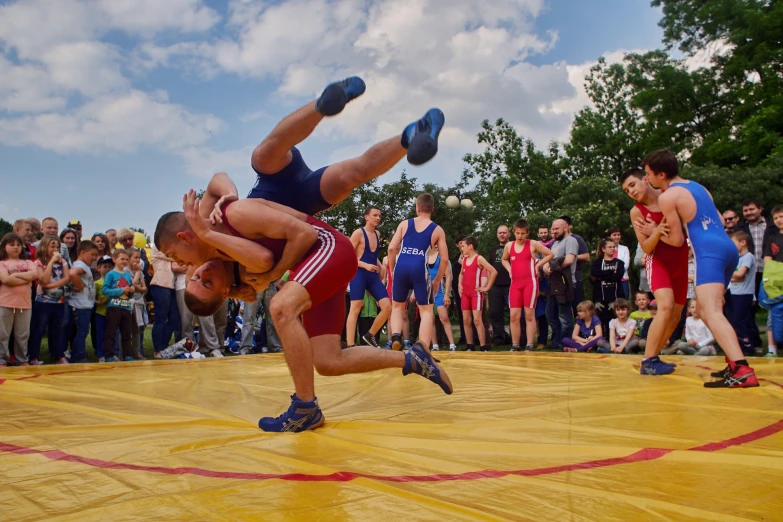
pixel 408 253
pixel 687 204
pixel 283 176
pixel 366 242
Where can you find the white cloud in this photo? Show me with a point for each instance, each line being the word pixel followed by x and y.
pixel 204 162
pixel 113 123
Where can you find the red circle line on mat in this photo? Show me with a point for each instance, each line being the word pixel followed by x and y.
pixel 345 476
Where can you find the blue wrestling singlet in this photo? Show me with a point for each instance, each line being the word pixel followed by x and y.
pixel 295 186
pixel 714 252
pixel 364 280
pixel 410 271
pixel 433 269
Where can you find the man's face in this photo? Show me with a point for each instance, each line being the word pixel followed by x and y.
pixel 209 279
pixel 752 213
pixel 461 246
pixel 558 230
pixel 78 230
pixel 374 217
pixel 50 227
pixel 112 235
pixel 543 234
pixel 503 234
pixel 730 220
pixel 635 188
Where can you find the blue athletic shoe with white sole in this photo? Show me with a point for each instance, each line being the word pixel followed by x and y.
pixel 301 416
pixel 336 95
pixel 655 366
pixel 421 137
pixel 419 361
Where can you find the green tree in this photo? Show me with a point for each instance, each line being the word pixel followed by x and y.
pixel 748 61
pixel 5 227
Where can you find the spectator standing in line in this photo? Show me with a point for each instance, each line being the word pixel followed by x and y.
pixel 17 274
pixel 730 221
pixel 582 256
pixel 164 299
pixel 622 253
pixel 498 294
pixel 49 306
pixel 561 273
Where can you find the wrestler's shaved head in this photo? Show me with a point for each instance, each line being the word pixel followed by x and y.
pixel 168 226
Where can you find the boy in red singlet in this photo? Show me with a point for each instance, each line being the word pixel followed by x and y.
pixel 473 292
pixel 520 261
pixel 269 239
pixel 666 267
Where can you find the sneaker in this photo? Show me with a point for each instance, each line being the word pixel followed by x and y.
pixel 452 347
pixel 721 374
pixel 388 345
pixel 738 376
pixel 418 360
pixel 35 362
pixel 567 349
pixel 540 348
pixel 336 95
pixel 128 358
pixel 68 354
pixel 655 366
pixel 370 340
pixel 216 353
pixel 139 357
pixel 396 343
pixel 62 360
pixel 770 355
pixel 421 137
pixel 515 348
pixel 435 348
pixel 528 347
pixel 245 351
pixel 300 416
pixel 101 359
pixel 264 349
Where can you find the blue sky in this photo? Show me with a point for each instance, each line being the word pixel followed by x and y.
pixel 110 111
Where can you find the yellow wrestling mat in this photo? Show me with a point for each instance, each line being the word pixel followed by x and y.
pixel 541 436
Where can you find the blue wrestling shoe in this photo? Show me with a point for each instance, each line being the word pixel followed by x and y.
pixel 301 416
pixel 421 137
pixel 418 360
pixel 655 366
pixel 336 95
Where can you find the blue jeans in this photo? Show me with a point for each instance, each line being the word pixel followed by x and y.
pixel 561 320
pixel 166 316
pixel 76 319
pixel 51 316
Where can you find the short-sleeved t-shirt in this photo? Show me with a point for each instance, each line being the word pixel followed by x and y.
pixel 51 295
pixel 640 317
pixel 85 299
pixel 568 245
pixel 621 330
pixel 774 247
pixel 748 285
pixel 586 331
pixel 17 297
pixel 581 250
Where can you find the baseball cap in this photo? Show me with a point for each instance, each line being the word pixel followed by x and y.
pixel 74 223
pixel 653 304
pixel 105 260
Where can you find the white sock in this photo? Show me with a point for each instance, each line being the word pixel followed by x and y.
pixel 772 349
